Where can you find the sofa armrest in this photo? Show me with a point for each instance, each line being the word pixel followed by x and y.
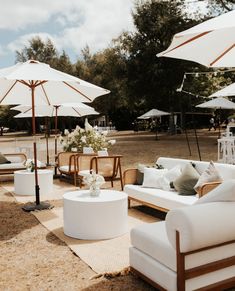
pixel 207 187
pixel 130 176
pixel 16 157
pixel 201 225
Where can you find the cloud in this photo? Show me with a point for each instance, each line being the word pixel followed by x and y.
pixel 70 24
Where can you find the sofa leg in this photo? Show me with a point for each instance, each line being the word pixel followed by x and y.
pixel 129 203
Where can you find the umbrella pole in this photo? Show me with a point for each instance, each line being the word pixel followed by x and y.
pixel 56 129
pixel 37 205
pixel 186 135
pixel 47 147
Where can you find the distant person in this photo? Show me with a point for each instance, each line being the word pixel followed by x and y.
pixel 212 123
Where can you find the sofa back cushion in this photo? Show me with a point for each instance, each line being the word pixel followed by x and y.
pixel 201 225
pixel 226 171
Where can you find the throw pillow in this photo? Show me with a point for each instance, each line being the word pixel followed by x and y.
pixel 187 180
pixel 169 177
pixel 225 192
pixel 152 177
pixel 211 174
pixel 140 174
pixel 3 159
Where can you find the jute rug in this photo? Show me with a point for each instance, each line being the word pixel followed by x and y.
pixel 103 256
pixel 59 188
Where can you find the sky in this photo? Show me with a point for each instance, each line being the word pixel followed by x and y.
pixel 70 24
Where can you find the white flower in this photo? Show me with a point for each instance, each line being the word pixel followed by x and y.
pixel 83 139
pixel 88 127
pixel 105 132
pixel 66 132
pixel 112 141
pixel 94 180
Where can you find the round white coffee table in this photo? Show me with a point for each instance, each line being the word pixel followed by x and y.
pixel 95 218
pixel 24 182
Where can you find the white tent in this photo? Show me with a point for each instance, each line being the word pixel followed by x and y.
pixel 153 113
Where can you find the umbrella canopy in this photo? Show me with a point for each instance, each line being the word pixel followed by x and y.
pixel 226 91
pixel 69 109
pixel 153 113
pixel 51 87
pixel 37 83
pixel 218 103
pixel 210 43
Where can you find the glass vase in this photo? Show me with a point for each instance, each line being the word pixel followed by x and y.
pixel 94 191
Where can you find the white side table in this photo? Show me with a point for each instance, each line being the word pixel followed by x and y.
pixel 24 182
pixel 95 218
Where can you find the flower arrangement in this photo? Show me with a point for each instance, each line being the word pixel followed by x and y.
pixel 30 166
pixel 87 137
pixel 94 181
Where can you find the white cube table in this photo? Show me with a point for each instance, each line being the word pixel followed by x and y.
pixel 94 218
pixel 24 182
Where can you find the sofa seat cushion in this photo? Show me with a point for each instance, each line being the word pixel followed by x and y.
pixel 162 198
pixel 151 238
pixel 66 169
pixel 12 166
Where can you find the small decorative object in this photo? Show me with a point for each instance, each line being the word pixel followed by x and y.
pixel 94 181
pixel 30 166
pixel 88 137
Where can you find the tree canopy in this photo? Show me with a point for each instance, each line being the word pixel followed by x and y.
pixel 129 68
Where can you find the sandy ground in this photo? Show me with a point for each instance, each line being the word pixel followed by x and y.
pixel 31 258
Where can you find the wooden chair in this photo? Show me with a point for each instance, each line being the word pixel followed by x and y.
pixel 67 166
pixel 109 167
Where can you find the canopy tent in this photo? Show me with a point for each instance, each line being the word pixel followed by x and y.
pixel 210 43
pixel 67 109
pixel 153 113
pixel 37 83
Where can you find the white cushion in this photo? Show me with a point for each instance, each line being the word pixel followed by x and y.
pixel 165 199
pixel 170 176
pixel 224 192
pixel 201 225
pixel 151 238
pixel 66 168
pixel 12 166
pixel 211 174
pixel 152 177
pixel 226 171
pixel 14 159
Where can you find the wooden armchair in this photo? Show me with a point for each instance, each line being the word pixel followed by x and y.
pixel 67 167
pixel 109 167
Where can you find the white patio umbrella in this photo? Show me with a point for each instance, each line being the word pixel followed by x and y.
pixel 153 113
pixel 226 91
pixel 218 103
pixel 210 43
pixel 67 109
pixel 37 83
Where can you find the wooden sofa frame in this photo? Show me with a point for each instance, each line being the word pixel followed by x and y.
pixel 130 177
pixel 183 275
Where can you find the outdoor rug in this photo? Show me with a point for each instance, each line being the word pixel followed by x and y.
pixel 103 256
pixel 59 188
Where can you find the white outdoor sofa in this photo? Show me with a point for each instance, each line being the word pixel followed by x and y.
pixel 193 249
pixel 165 200
pixel 17 163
